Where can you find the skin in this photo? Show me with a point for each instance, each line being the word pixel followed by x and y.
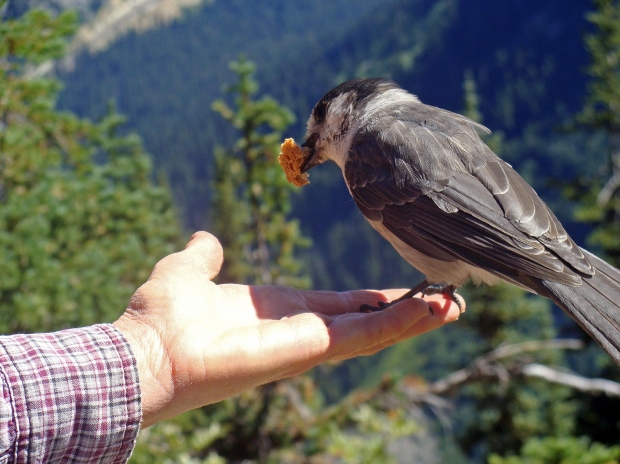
pixel 197 343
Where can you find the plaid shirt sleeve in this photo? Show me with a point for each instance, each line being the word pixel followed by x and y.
pixel 70 396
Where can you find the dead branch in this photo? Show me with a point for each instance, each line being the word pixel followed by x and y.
pixel 487 367
pixel 593 386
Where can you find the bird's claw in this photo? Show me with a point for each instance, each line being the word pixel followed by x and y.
pixel 425 288
pixel 444 289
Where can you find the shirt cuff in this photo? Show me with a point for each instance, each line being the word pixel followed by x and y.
pixel 68 396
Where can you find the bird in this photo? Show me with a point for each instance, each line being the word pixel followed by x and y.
pixel 425 180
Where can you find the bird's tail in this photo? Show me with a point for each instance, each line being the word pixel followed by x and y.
pixel 595 305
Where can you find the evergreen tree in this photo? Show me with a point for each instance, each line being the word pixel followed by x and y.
pixel 251 194
pixel 562 451
pixel 600 197
pixel 81 222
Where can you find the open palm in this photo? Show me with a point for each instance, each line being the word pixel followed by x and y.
pixel 197 342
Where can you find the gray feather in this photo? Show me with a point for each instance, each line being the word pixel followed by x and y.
pixel 595 305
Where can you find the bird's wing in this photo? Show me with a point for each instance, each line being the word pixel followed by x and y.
pixel 429 178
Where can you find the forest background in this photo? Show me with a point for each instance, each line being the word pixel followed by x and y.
pixel 85 211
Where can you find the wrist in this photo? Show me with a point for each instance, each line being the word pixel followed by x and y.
pixel 154 369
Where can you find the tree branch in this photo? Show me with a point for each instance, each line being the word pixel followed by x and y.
pixel 594 386
pixel 611 186
pixel 486 366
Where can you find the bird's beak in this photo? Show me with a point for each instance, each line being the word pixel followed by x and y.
pixel 311 160
pixel 313 156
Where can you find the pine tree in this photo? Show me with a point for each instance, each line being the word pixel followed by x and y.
pixel 81 221
pixel 251 194
pixel 600 197
pixel 568 450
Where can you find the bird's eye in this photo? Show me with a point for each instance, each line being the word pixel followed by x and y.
pixel 320 111
pixel 311 141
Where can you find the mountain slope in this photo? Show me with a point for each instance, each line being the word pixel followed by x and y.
pixel 165 80
pixel 526 56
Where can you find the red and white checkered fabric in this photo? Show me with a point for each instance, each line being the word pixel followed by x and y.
pixel 71 396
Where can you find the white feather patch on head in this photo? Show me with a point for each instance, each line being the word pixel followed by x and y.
pixel 336 144
pixel 382 100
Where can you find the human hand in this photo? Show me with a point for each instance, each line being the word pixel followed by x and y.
pixel 197 343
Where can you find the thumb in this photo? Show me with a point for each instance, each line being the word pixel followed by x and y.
pixel 203 255
pixel 205 252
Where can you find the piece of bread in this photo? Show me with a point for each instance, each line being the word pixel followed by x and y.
pixel 291 158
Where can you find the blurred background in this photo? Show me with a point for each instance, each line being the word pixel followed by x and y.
pixel 128 124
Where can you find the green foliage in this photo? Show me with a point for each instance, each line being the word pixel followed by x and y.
pixel 81 223
pixel 598 195
pixel 180 440
pixel 251 195
pixel 471 109
pixel 287 421
pixel 606 233
pixel 502 416
pixel 411 36
pixel 34 38
pixel 471 99
pixel 570 450
pixel 600 199
pixel 602 108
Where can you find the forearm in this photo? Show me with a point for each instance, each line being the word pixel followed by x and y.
pixel 68 396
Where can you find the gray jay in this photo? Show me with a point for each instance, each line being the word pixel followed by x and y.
pixel 425 180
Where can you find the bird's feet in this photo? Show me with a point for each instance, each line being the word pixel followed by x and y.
pixel 423 287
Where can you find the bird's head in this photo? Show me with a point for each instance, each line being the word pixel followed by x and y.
pixel 336 117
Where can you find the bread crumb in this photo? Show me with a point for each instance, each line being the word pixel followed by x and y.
pixel 291 159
